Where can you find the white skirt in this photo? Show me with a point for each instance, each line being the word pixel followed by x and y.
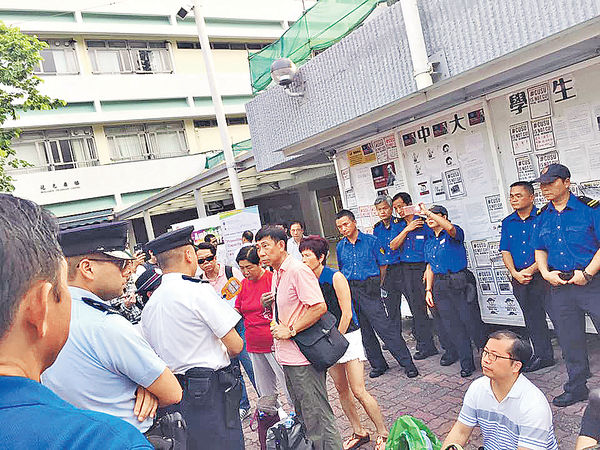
pixel 355 348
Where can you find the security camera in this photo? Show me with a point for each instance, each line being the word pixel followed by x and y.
pixel 283 71
pixel 184 11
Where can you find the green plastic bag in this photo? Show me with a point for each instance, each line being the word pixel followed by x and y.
pixel 409 433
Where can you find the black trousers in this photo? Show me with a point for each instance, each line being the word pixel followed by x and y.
pixel 450 298
pixel 203 407
pixel 532 299
pixel 569 303
pixel 375 317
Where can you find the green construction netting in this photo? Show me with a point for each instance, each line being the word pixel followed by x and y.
pixel 321 26
pixel 238 148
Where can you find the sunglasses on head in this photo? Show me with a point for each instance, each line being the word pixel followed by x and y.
pixel 207 259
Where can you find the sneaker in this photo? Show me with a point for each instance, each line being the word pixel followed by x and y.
pixel 244 413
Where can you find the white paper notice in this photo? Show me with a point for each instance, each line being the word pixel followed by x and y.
pixel 519 138
pixel 481 253
pixel 579 122
pixel 502 276
pixel 590 189
pixel 525 170
pixel 454 181
pixel 495 255
pixel 439 190
pixel 346 179
pixel 494 207
pixel 561 129
pixel 543 136
pixel 575 158
pixel 424 190
pixel 487 283
pixel 380 150
pixel 593 150
pixel 350 198
pixel 539 101
pixel 545 159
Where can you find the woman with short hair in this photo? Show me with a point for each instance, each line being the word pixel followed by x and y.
pixel 348 373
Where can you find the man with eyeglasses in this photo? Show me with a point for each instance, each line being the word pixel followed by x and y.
pixel 106 365
pixel 226 280
pixel 510 410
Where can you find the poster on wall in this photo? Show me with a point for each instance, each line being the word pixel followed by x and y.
pixel 495 254
pixel 543 135
pixel 487 284
pixel 519 138
pixel 525 170
pixel 384 175
pixel 590 189
pixel 481 253
pixel 539 101
pixel 381 152
pixel 545 159
pixel 494 207
pixel 438 189
pixel 424 191
pixel 454 181
pixel 361 155
pixel 390 145
pixel 503 280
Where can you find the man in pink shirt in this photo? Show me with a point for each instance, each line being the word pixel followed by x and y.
pixel 300 304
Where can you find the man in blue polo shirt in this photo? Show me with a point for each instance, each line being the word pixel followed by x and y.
pixel 529 287
pixel 362 261
pixel 35 311
pixel 446 282
pixel 567 243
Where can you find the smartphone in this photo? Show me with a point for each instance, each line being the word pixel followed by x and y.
pixel 411 210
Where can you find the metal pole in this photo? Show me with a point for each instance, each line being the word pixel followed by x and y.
pixel 236 189
pixel 199 200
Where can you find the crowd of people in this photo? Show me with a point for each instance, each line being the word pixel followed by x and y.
pixel 90 376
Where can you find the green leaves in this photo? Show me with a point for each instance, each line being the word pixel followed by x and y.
pixel 19 55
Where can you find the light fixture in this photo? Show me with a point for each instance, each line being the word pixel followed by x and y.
pixel 284 72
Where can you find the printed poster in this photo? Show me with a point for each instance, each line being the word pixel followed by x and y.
pixel 384 175
pixel 539 101
pixel 519 138
pixel 590 189
pixel 494 207
pixel 392 148
pixel 380 150
pixel 525 170
pixel 495 254
pixel 545 159
pixel 346 179
pixel 481 253
pixel 454 181
pixel 490 306
pixel 439 190
pixel 543 135
pixel 361 155
pixel 503 280
pixel 487 284
pixel 424 190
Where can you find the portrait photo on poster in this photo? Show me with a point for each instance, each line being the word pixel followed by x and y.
pixel 384 175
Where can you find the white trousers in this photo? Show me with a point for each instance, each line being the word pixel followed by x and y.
pixel 267 372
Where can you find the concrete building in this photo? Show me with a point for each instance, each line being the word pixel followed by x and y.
pixel 139 115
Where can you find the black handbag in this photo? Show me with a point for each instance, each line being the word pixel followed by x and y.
pixel 322 343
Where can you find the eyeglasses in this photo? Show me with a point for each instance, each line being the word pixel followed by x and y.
pixel 120 263
pixel 493 357
pixel 207 259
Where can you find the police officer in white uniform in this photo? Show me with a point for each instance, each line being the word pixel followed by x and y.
pixel 193 331
pixel 106 365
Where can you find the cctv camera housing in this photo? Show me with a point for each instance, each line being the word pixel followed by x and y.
pixel 283 71
pixel 183 12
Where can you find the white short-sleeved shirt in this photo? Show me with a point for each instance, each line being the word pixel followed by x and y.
pixel 522 419
pixel 184 322
pixel 293 248
pixel 103 362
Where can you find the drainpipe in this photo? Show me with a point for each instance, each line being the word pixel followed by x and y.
pixel 416 43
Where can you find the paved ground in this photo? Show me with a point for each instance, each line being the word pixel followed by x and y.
pixel 436 397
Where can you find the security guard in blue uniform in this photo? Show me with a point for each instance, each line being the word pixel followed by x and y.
pixel 362 260
pixel 106 365
pixel 35 307
pixel 447 282
pixel 567 243
pixel 529 288
pixel 193 330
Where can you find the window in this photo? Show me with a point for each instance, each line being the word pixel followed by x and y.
pixel 56 149
pixel 224 45
pixel 58 59
pixel 146 141
pixel 209 123
pixel 120 56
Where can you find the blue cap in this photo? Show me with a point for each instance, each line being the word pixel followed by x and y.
pixel 149 280
pixel 108 238
pixel 171 240
pixel 553 172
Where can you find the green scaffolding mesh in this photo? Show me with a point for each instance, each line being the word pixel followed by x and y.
pixel 237 148
pixel 321 26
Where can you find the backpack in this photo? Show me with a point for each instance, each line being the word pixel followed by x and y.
pixel 233 286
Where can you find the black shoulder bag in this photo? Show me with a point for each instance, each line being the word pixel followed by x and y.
pixel 322 343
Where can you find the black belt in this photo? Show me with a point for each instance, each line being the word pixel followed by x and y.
pixel 182 378
pixel 448 275
pixel 414 265
pixel 368 280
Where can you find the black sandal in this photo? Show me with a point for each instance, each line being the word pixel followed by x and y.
pixel 355 441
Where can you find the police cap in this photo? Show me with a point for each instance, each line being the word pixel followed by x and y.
pixel 149 280
pixel 171 240
pixel 552 172
pixel 108 238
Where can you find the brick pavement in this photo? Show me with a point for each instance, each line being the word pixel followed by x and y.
pixel 436 397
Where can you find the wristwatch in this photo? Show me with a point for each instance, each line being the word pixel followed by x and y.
pixel 587 276
pixel 292 331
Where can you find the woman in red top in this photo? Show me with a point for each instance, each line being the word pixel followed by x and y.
pixel 257 320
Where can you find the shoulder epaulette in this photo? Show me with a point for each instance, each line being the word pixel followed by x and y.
pixel 542 209
pixel 100 306
pixel 396 220
pixel 195 280
pixel 592 203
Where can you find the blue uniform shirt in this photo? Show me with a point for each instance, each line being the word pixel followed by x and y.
pixel 362 259
pixel 445 253
pixel 571 237
pixel 385 236
pixel 516 238
pixel 103 362
pixel 412 249
pixel 33 417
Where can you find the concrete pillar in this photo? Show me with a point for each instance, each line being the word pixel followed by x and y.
pixel 200 209
pixel 131 235
pixel 310 210
pixel 148 223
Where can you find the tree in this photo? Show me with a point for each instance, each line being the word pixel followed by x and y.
pixel 19 54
